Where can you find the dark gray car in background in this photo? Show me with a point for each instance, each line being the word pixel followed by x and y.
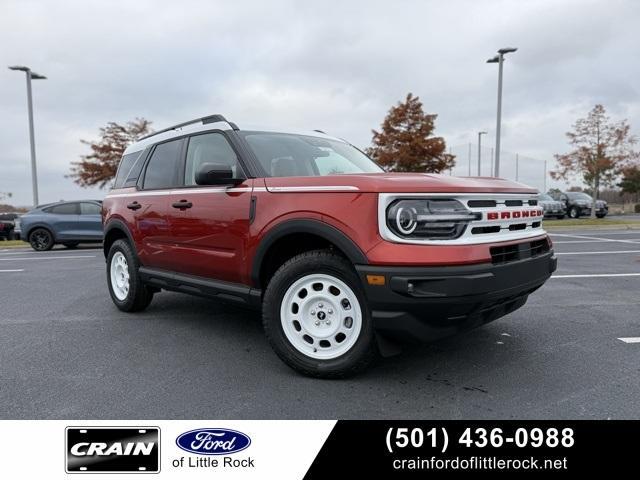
pixel 579 204
pixel 68 223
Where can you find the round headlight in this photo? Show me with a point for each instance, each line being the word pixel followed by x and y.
pixel 406 219
pixel 423 218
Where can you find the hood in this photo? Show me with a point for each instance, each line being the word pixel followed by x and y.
pixel 400 183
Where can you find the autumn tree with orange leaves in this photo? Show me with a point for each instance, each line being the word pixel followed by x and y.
pixel 100 166
pixel 405 142
pixel 601 149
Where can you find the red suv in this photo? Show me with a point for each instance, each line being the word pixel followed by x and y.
pixel 342 258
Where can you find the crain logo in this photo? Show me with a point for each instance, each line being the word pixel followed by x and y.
pixel 113 449
pixel 514 214
pixel 213 441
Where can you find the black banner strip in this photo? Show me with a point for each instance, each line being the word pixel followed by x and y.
pixel 399 449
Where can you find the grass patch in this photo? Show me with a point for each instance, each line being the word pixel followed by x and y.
pixel 591 222
pixel 12 244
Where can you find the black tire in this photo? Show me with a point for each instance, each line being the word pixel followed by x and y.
pixel 601 215
pixel 139 295
pixel 574 213
pixel 41 240
pixel 71 244
pixel 363 351
pixel 560 217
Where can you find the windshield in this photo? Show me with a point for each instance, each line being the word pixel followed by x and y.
pixel 578 196
pixel 289 155
pixel 545 198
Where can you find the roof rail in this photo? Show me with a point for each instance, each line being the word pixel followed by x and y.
pixel 205 120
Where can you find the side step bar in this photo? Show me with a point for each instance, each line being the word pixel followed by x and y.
pixel 204 287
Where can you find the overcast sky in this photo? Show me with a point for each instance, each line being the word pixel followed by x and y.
pixel 337 66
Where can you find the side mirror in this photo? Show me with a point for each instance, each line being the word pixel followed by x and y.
pixel 216 174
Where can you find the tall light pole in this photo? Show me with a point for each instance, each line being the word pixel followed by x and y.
pixel 34 173
pixel 480 150
pixel 499 59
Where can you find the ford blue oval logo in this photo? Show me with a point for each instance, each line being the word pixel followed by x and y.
pixel 213 441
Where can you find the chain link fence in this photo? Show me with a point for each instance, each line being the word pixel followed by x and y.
pixel 513 166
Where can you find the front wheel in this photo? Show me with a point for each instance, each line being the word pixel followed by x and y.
pixel 126 289
pixel 41 240
pixel 574 213
pixel 316 317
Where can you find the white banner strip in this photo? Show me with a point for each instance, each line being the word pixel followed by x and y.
pixel 282 449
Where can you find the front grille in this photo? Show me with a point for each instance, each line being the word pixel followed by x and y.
pixel 504 216
pixel 480 230
pixel 519 251
pixel 517 226
pixel 481 203
pixel 539 247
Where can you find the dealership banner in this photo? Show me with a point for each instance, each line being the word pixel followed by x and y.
pixel 312 449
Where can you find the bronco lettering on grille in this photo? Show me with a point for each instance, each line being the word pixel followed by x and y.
pixel 511 214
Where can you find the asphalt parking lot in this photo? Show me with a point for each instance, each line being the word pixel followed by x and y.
pixel 66 352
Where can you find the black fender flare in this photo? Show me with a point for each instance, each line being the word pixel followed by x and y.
pixel 314 227
pixel 116 225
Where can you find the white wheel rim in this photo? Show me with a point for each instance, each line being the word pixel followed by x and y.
pixel 321 316
pixel 119 276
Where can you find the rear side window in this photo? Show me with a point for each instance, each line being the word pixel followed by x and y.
pixel 64 209
pixel 129 169
pixel 162 166
pixel 90 209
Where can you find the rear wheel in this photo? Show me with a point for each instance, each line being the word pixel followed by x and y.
pixel 316 317
pixel 41 240
pixel 71 244
pixel 126 289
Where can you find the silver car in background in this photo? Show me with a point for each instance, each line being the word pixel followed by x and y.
pixel 551 207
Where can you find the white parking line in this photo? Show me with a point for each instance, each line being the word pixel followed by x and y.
pixel 598 275
pixel 555 242
pixel 630 339
pixel 44 254
pixel 10 271
pixel 597 253
pixel 602 232
pixel 584 237
pixel 47 258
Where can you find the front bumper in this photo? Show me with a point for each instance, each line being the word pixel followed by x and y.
pixel 555 212
pixel 427 303
pixel 585 211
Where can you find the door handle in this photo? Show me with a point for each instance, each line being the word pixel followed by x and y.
pixel 134 206
pixel 182 204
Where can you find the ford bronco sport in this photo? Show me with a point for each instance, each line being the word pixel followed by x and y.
pixel 342 258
